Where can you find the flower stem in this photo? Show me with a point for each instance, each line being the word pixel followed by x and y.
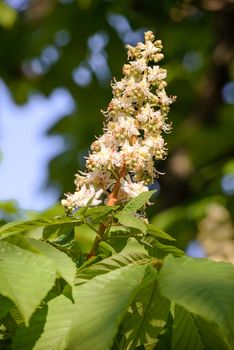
pixel 112 198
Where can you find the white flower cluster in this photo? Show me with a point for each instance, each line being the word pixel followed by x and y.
pixel 121 162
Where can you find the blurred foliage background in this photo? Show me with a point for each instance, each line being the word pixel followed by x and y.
pixel 79 45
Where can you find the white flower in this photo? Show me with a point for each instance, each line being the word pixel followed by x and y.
pixel 132 138
pixel 150 49
pixel 164 99
pixel 156 73
pixel 146 114
pixel 107 158
pixel 120 105
pixel 128 124
pixel 139 66
pixel 98 178
pixel 82 197
pixel 133 189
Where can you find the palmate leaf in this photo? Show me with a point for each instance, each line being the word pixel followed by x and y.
pixel 26 337
pixel 100 305
pixel 118 230
pixel 146 318
pixel 157 249
pixel 65 266
pixel 203 287
pixel 21 226
pixel 165 337
pixel 112 263
pixel 57 325
pixel 193 332
pixel 16 315
pixel 48 328
pixel 25 278
pixel 118 237
pixel 23 242
pixel 158 233
pixel 138 202
pixel 118 243
pixel 105 250
pixel 5 306
pixel 84 236
pixel 99 213
pixel 129 220
pixel 51 232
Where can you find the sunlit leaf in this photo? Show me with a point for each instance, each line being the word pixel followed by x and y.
pixel 158 233
pixel 138 202
pixel 54 231
pixel 131 221
pixel 105 249
pixel 25 278
pixel 84 236
pixel 112 263
pixel 203 287
pixel 26 337
pixel 65 266
pixel 158 249
pixel 99 213
pixel 146 317
pixel 57 325
pixel 193 332
pixel 21 226
pixel 100 306
pixel 164 339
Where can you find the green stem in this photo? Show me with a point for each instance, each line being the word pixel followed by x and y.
pixel 98 238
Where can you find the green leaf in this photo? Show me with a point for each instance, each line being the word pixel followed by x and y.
pixel 16 315
pixel 112 263
pixel 25 278
pixel 203 287
pixel 158 233
pixel 118 237
pixel 54 231
pixel 84 236
pixel 21 226
pixel 99 213
pixel 65 239
pixel 159 250
pixel 105 250
pixel 131 221
pixel 193 332
pixel 118 229
pixel 164 339
pixel 137 203
pixel 65 266
pixel 26 337
pixel 146 317
pixel 100 305
pixel 6 305
pixel 22 242
pixel 118 243
pixel 57 325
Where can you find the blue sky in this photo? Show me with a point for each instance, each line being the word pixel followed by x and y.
pixel 26 150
